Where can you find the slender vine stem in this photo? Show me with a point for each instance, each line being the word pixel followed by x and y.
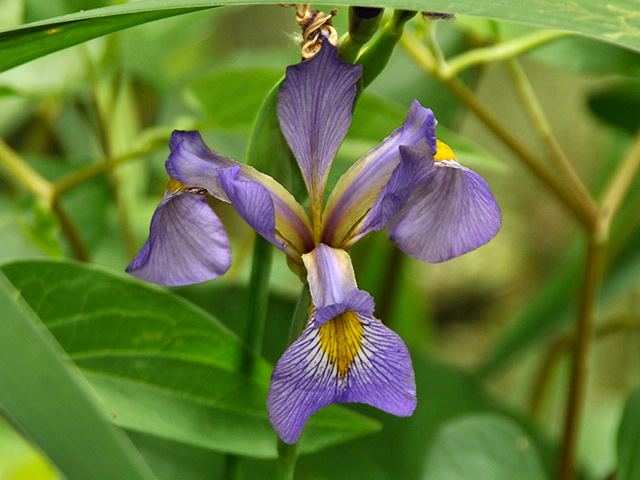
pixel 36 184
pixel 626 324
pixel 620 183
pixel 502 50
pixel 545 174
pixel 592 279
pixel 543 128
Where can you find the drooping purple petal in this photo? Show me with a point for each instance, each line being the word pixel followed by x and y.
pixel 252 202
pixel 352 358
pixel 192 163
pixel 358 189
pixel 315 106
pixel 187 243
pixel 452 213
pixel 333 284
pixel 416 167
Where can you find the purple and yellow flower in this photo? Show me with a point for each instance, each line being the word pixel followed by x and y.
pixel 433 208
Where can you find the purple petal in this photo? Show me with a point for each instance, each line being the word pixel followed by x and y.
pixel 357 190
pixel 353 358
pixel 333 284
pixel 192 163
pixel 187 243
pixel 315 106
pixel 452 213
pixel 252 202
pixel 416 167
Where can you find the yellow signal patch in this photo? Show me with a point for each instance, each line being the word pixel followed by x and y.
pixel 341 339
pixel 444 152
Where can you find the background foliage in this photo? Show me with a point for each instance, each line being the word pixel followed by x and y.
pixel 489 332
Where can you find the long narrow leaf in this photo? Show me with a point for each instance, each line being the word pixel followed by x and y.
pixel 616 21
pixel 51 401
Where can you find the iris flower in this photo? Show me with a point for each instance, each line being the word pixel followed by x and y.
pixel 433 208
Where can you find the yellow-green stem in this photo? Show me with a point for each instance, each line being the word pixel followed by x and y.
pixel 592 279
pixel 20 170
pixel 502 50
pixel 543 128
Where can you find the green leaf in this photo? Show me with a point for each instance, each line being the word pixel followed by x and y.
pixel 615 21
pixel 34 40
pixel 483 447
pixel 52 403
pixel 629 440
pixel 231 98
pixel 161 365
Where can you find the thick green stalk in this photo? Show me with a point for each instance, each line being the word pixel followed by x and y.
pixel 376 56
pixel 363 24
pixel 288 454
pixel 287 457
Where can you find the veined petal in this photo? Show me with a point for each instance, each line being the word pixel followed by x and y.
pixel 416 167
pixel 187 243
pixel 315 106
pixel 357 190
pixel 452 213
pixel 253 203
pixel 352 358
pixel 333 284
pixel 192 163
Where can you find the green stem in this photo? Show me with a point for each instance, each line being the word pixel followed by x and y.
pixel 287 457
pixel 93 170
pixel 20 170
pixel 502 50
pixel 376 56
pixel 545 174
pixel 592 278
pixel 254 334
pixel 622 180
pixel 78 247
pixel 363 23
pixel 258 300
pixel 543 128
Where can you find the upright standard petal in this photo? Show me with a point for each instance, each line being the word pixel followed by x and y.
pixel 192 163
pixel 352 358
pixel 333 284
pixel 187 242
pixel 450 214
pixel 315 106
pixel 357 190
pixel 416 167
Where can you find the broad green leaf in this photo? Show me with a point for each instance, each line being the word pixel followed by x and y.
pixel 50 400
pixel 615 22
pixel 161 365
pixel 232 98
pixel 483 447
pixel 629 440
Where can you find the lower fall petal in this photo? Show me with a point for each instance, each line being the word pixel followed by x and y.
pixel 451 214
pixel 187 243
pixel 352 358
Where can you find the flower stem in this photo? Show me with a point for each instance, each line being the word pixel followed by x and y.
pixel 376 56
pixel 287 457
